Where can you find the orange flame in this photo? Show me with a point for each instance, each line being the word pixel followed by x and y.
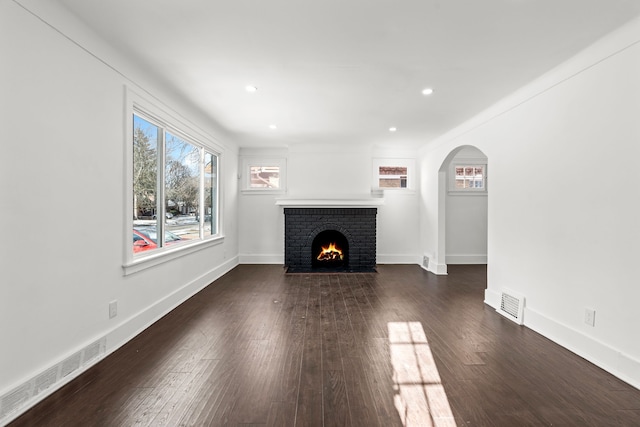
pixel 330 253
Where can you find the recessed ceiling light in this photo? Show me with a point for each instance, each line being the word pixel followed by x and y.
pixel 250 88
pixel 427 91
pixel 273 127
pixel 393 129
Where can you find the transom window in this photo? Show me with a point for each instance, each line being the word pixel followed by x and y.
pixel 175 187
pixel 469 176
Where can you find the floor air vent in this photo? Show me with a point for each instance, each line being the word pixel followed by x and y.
pixel 511 306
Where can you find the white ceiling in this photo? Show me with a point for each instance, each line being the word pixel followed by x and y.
pixel 345 71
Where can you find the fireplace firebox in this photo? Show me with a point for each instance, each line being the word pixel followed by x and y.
pixel 330 250
pixel 330 239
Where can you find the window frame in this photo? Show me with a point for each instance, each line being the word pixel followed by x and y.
pixel 408 163
pixel 172 123
pixel 466 162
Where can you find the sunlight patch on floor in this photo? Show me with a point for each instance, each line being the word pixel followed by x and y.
pixel 420 397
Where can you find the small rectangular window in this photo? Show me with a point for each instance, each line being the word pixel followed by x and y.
pixel 392 177
pixel 265 177
pixel 393 174
pixel 263 174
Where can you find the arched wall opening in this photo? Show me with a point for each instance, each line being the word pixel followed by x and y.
pixel 463 207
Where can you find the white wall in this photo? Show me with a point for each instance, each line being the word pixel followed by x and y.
pixel 261 222
pixel 62 186
pixel 566 237
pixel 466 216
pixel 330 171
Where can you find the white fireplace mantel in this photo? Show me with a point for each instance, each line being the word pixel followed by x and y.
pixel 330 203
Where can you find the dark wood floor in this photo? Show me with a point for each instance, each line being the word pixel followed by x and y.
pixel 400 347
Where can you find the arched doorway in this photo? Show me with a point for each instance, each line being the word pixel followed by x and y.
pixel 463 207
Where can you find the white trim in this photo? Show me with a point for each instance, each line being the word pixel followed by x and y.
pixel 600 354
pixel 329 203
pixel 169 119
pixel 492 298
pixel 398 259
pixel 261 259
pixel 439 269
pixel 162 255
pixel 253 160
pixel 137 323
pixel 125 332
pixel 176 125
pixel 465 193
pixel 466 259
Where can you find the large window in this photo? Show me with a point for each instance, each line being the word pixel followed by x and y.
pixel 175 188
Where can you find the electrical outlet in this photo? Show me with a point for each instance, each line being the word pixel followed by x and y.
pixel 113 309
pixel 590 316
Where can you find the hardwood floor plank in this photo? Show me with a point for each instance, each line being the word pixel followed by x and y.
pixel 309 410
pixel 336 405
pixel 193 397
pixel 361 403
pixel 378 373
pixel 262 347
pixel 281 414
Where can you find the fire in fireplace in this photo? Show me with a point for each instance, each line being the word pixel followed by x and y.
pixel 330 250
pixel 330 253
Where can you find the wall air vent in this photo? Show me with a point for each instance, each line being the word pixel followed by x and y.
pixel 511 306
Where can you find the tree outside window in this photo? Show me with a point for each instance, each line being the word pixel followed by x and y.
pixel 175 188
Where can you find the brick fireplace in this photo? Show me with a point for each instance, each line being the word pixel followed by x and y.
pixel 328 239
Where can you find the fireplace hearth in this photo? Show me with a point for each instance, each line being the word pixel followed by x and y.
pixel 330 239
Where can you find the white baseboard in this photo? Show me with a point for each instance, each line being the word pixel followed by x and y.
pixel 27 394
pixel 600 354
pixel 262 259
pixel 439 269
pixel 466 259
pixel 398 259
pixel 492 298
pixel 137 323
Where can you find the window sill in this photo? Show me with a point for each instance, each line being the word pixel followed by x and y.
pixel 395 189
pixel 162 256
pixel 247 191
pixel 467 193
